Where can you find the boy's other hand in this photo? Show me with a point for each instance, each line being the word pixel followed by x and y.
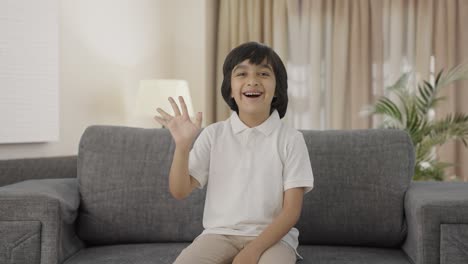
pixel 247 256
pixel 182 129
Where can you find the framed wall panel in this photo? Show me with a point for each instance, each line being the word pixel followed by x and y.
pixel 29 73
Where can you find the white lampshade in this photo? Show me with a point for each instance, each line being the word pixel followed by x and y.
pixel 155 93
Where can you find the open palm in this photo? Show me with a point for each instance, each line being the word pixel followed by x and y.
pixel 182 129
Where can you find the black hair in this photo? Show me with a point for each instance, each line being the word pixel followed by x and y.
pixel 256 52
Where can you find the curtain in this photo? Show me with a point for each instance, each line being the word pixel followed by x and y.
pixel 427 36
pixel 344 52
pixel 341 54
pixel 450 48
pixel 330 64
pixel 239 21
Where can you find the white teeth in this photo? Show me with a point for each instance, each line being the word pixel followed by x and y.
pixel 252 93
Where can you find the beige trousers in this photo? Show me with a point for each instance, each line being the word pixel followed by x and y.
pixel 222 249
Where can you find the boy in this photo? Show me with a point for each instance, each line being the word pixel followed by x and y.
pixel 256 169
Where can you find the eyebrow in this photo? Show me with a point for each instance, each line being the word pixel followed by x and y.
pixel 239 66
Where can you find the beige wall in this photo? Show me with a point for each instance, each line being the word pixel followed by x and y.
pixel 107 46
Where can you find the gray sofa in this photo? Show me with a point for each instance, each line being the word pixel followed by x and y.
pixel 111 204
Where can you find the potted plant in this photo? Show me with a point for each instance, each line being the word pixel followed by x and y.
pixel 412 108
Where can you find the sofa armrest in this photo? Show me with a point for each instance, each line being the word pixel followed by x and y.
pixel 437 217
pixel 37 221
pixel 16 170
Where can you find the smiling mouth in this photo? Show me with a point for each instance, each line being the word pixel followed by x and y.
pixel 252 94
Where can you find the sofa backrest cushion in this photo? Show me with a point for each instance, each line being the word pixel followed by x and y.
pixel 360 178
pixel 123 182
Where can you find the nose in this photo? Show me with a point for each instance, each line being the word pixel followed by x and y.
pixel 252 82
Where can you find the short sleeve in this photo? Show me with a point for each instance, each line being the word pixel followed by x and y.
pixel 199 157
pixel 297 170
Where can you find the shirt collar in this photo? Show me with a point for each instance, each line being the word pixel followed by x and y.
pixel 266 127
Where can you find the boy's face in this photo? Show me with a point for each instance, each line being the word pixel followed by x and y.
pixel 253 87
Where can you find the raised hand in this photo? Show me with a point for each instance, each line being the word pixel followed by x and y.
pixel 182 129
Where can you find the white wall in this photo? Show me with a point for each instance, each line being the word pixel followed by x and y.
pixel 107 46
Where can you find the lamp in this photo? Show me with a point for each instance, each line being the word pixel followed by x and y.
pixel 155 93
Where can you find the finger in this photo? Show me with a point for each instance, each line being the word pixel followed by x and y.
pixel 184 106
pixel 199 119
pixel 165 115
pixel 174 106
pixel 160 120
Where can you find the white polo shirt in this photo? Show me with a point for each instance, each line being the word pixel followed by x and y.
pixel 246 171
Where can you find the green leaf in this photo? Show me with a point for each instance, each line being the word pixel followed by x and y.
pixel 438 77
pixel 386 107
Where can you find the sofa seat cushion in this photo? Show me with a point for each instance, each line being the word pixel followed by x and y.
pixel 166 253
pixel 161 253
pixel 351 255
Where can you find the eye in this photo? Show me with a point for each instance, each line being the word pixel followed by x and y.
pixel 240 74
pixel 265 74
